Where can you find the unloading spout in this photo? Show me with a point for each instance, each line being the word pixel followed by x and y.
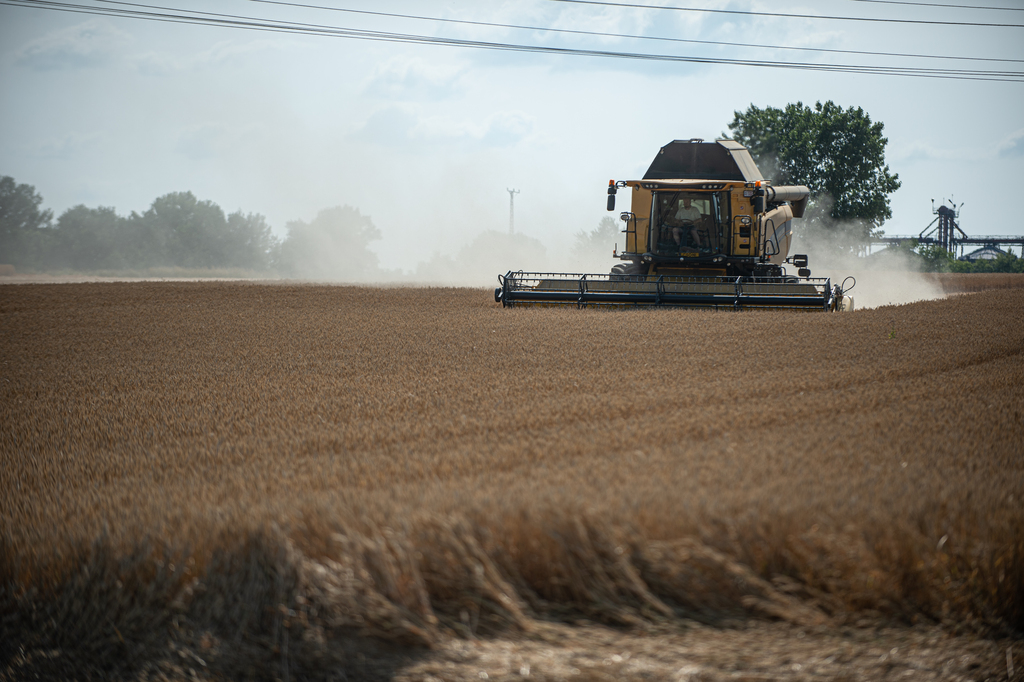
pixel 796 195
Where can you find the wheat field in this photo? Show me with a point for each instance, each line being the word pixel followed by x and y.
pixel 270 481
pixel 956 283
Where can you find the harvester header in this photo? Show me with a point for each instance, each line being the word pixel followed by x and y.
pixel 705 230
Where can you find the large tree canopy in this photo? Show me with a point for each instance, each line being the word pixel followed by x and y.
pixel 839 154
pixel 189 231
pixel 89 239
pixel 180 230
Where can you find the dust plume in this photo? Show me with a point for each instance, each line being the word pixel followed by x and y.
pixel 482 260
pixel 333 246
pixel 889 277
pixel 592 250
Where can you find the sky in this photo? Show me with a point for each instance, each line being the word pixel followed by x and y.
pixel 427 139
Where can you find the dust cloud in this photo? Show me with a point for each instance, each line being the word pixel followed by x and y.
pixel 480 262
pixel 888 277
pixel 493 252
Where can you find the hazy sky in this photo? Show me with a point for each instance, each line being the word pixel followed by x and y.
pixel 426 139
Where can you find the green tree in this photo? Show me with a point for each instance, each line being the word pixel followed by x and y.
pixel 180 230
pixel 839 154
pixel 1008 262
pixel 177 230
pixel 24 226
pixel 935 258
pixel 1004 262
pixel 248 242
pixel 334 245
pixel 89 239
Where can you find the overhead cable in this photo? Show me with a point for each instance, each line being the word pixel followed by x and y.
pixel 603 34
pixel 939 4
pixel 709 10
pixel 175 15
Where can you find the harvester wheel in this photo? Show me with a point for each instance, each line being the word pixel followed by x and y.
pixel 628 269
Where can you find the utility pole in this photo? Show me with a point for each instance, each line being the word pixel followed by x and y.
pixel 512 210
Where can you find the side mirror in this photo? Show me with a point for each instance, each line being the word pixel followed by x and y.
pixel 804 272
pixel 611 195
pixel 800 260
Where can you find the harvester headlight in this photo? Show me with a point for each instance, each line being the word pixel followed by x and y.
pixel 744 220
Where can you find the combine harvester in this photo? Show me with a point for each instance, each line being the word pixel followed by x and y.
pixel 705 231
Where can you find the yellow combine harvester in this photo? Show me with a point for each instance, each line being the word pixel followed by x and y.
pixel 705 231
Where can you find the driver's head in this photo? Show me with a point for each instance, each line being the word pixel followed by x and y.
pixel 686 202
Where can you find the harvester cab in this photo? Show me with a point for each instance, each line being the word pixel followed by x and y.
pixel 704 230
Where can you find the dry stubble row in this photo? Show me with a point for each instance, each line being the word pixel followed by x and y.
pixel 251 466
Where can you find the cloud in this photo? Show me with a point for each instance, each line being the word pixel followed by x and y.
pixel 1013 146
pixel 507 128
pixel 235 52
pixel 224 53
pixel 155 64
pixel 67 146
pixel 404 78
pixel 396 126
pixel 390 127
pixel 87 45
pixel 203 141
pixel 607 20
pixel 914 152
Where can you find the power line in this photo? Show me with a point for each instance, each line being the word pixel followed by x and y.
pixel 250 23
pixel 607 3
pixel 165 14
pixel 603 34
pixel 939 4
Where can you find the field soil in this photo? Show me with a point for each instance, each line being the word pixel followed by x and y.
pixel 224 480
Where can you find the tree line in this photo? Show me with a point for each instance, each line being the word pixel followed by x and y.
pixel 178 231
pixel 931 258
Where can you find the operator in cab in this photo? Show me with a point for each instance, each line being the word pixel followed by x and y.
pixel 690 217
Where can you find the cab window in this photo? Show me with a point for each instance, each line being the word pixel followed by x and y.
pixel 684 222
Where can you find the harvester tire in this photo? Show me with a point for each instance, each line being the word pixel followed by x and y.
pixel 628 269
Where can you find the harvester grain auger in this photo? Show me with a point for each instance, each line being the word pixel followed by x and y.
pixel 705 230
